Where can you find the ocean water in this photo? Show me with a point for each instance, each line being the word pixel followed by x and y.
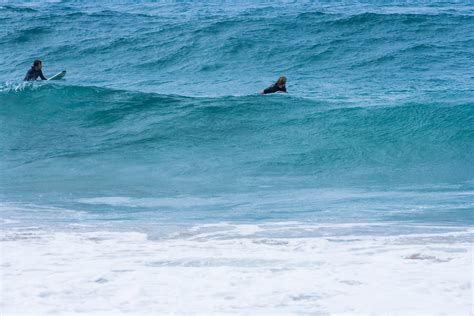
pixel 155 179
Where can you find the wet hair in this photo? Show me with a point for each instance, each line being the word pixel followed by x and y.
pixel 36 63
pixel 281 81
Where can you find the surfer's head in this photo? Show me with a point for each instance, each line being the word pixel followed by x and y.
pixel 37 64
pixel 281 81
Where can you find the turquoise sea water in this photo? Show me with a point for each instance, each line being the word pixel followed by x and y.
pixel 159 117
pixel 156 180
pixel 155 174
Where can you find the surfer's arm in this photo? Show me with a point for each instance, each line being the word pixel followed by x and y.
pixel 28 75
pixel 42 76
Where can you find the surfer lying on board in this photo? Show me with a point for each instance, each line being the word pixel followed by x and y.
pixel 35 71
pixel 280 85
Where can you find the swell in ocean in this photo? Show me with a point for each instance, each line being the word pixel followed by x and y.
pixel 238 137
pixel 345 51
pixel 163 158
pixel 380 99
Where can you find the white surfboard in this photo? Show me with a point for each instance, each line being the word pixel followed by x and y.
pixel 58 76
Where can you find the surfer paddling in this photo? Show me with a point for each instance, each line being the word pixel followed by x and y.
pixel 35 71
pixel 279 86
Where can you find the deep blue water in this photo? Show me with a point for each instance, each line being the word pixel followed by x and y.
pixel 159 120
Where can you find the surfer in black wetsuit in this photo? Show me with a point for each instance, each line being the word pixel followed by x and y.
pixel 35 71
pixel 280 85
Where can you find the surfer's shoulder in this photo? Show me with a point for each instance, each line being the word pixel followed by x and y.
pixel 279 86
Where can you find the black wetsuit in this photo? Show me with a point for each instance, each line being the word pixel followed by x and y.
pixel 33 74
pixel 274 88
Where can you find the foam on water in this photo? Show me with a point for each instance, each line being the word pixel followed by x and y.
pixel 106 272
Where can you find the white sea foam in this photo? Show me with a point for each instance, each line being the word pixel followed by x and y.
pixel 112 273
pixel 149 202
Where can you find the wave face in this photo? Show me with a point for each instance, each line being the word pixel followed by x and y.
pixel 82 141
pixel 160 103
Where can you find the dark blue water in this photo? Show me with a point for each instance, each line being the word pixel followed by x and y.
pixel 159 120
